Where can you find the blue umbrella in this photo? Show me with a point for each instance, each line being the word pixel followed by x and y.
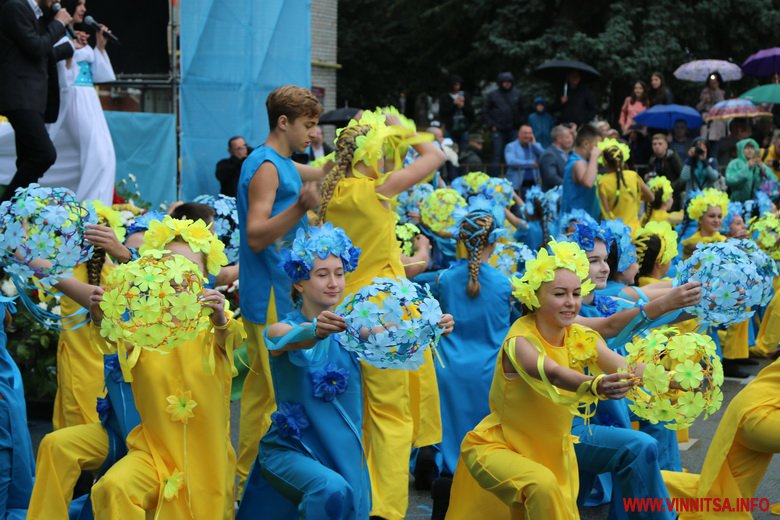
pixel 664 116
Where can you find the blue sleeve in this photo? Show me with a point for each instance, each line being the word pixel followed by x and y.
pixel 300 332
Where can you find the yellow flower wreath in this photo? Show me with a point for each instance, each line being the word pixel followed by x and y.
pixel 705 200
pixel 562 255
pixel 197 235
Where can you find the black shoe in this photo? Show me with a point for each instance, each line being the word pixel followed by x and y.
pixel 440 492
pixel 745 361
pixel 425 470
pixel 731 369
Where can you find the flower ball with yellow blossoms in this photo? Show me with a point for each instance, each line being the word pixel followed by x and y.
pixel 681 380
pixel 436 210
pixel 153 303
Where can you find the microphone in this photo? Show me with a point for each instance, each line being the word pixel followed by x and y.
pixel 88 20
pixel 68 28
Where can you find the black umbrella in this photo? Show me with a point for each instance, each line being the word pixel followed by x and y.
pixel 339 116
pixel 557 70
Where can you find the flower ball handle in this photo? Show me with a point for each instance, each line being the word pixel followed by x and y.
pixel 95 299
pixel 327 323
pixel 215 301
pixel 615 386
pixel 447 324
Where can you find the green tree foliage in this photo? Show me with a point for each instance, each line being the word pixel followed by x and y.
pixel 412 46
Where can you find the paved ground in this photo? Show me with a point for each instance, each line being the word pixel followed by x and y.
pixel 692 457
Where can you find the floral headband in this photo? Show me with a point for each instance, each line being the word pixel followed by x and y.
pixel 586 234
pixel 499 190
pixel 196 234
pixel 704 200
pixel 141 222
pixel 321 242
pixel 478 208
pixel 562 255
pixel 381 140
pixel 621 233
pixel 606 144
pixel 470 184
pixel 734 209
pixel 661 183
pixel 576 216
pixel 667 237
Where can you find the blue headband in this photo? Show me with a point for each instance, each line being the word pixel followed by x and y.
pixel 321 242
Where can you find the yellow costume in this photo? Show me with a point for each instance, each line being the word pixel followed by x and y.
pixel 257 395
pixel 740 451
pixel 623 203
pixel 695 239
pixel 79 367
pixel 661 215
pixel 520 465
pixel 390 404
pixel 180 460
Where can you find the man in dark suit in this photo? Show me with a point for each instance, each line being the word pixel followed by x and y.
pixel 29 90
pixel 229 170
pixel 552 164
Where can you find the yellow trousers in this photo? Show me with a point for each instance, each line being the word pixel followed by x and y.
pixel 79 375
pixel 62 456
pixel 128 490
pixel 501 483
pixel 388 429
pixel 426 411
pixel 257 396
pixel 734 340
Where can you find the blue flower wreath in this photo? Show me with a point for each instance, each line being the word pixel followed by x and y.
pixel 141 222
pixel 480 206
pixel 621 234
pixel 321 242
pixel 735 208
pixel 573 217
pixel 225 222
pixel 733 277
pixel 390 323
pixel 499 190
pixel 586 233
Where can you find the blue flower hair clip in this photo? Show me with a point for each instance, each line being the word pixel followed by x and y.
pixel 321 242
pixel 480 206
pixel 586 234
pixel 621 233
pixel 225 222
pixel 141 222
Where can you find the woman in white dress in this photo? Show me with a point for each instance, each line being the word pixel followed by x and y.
pixel 86 162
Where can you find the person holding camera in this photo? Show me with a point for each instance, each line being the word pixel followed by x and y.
pixel 699 172
pixel 745 174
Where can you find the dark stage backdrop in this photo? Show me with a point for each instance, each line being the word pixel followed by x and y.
pixel 141 26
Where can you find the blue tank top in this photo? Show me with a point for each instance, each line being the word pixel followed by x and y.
pixel 261 271
pixel 577 196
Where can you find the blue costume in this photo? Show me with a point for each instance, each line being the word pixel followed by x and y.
pixel 310 463
pixel 577 196
pixel 469 353
pixel 261 271
pixel 17 465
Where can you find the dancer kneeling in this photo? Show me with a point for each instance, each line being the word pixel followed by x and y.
pixel 519 462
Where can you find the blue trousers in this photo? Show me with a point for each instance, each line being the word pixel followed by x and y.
pixel 630 456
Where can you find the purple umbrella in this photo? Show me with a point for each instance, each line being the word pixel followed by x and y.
pixel 763 63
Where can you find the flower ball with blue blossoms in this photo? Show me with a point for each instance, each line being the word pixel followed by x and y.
pixel 44 223
pixel 391 323
pixel 735 276
pixel 225 222
pixel 319 242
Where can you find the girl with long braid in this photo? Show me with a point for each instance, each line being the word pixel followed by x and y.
pixel 657 210
pixel 356 197
pixel 478 296
pixel 79 366
pixel 620 191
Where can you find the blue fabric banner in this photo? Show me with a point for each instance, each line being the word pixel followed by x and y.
pixel 233 53
pixel 145 146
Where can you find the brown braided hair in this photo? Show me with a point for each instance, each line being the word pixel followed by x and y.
pixel 613 158
pixel 346 144
pixel 474 232
pixel 95 264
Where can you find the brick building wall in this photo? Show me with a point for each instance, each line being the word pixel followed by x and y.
pixel 324 62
